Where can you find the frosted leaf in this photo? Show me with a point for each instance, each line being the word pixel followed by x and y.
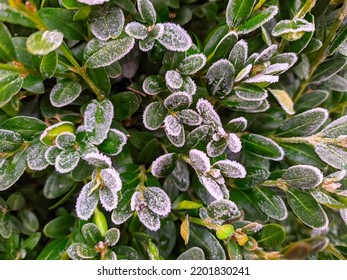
pixel 86 202
pixel 289 58
pixel 172 126
pixel 189 85
pixel 238 55
pixel 332 155
pixel 238 11
pixel 237 125
pixel 199 160
pixel 178 101
pixel 305 123
pixel 147 11
pixel 10 141
pixel 266 54
pixel 111 178
pixel 276 68
pixel 123 210
pixel 51 154
pixel 36 156
pixel 93 2
pixel 157 31
pixel 103 53
pixel 98 160
pixel 114 142
pixel 284 100
pixel 214 189
pixel 137 202
pixel 66 161
pixel 153 85
pixel 51 132
pixel 44 42
pixel 97 120
pixel 179 140
pixel 65 92
pixel 112 236
pixel 136 30
pixel 65 140
pixel 157 201
pixel 244 73
pixel 189 117
pixel 194 253
pixel 149 219
pixel 216 148
pixel 154 115
pixel 261 78
pixel 164 165
pixel 179 177
pixel 335 177
pixel 85 251
pixel 220 78
pixel 250 92
pixel 173 79
pixel 192 64
pixel 72 251
pixel 146 44
pixel 175 38
pixel 207 112
pixel 303 176
pixel 335 128
pixel 230 169
pixel 234 143
pixel 252 58
pixel 108 198
pixel 222 210
pixel 292 30
pixel 343 213
pixel 106 22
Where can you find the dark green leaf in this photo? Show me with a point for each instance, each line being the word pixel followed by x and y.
pixel 9 141
pixel 125 104
pixel 7 50
pixel 10 84
pixel 154 115
pixel 307 209
pixel 311 100
pixel 340 39
pixel 114 142
pixel 65 92
pixel 164 165
pixel 213 38
pixel 29 220
pixel 329 68
pixel 194 253
pixel 303 176
pixel 250 92
pixel 327 200
pixel 271 236
pixel 125 253
pixel 54 249
pixel 225 45
pixel 16 201
pixel 49 64
pixel 12 15
pixel 32 241
pixel 59 227
pixel 56 185
pixel 238 11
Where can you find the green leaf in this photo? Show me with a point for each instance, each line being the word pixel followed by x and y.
pixel 164 165
pixel 62 20
pixel 101 79
pixel 44 42
pixel 125 253
pixel 82 171
pixel 238 11
pixel 112 236
pixel 51 132
pixel 336 128
pixel 175 38
pixel 270 203
pixel 188 205
pixel 199 137
pixel 194 253
pixel 57 184
pixel 91 234
pixel 100 220
pixel 10 84
pixel 114 142
pixel 30 222
pixel 213 38
pixel 303 124
pixel 224 46
pixel 192 64
pixel 339 40
pixel 325 199
pixel 49 64
pixel 311 100
pixel 125 104
pixel 97 119
pixel 153 85
pixel 329 68
pixel 284 100
pixel 250 92
pixel 154 115
pixel 16 201
pixel 67 160
pixel 32 241
pixel 65 92
pixel 254 177
pixel 11 169
pixel 54 250
pixel 271 236
pixel 87 201
pixel 7 50
pixel 307 209
pixel 336 83
pixel 220 78
pixel 59 227
pixel 123 211
pixel 303 176
pixel 9 141
pixel 204 239
pixel 258 20
pixel 36 155
pixel 332 155
pixel 292 30
pixel 98 53
pixel 12 15
pixel 262 147
pixel 238 55
pixel 106 22
pixel 85 251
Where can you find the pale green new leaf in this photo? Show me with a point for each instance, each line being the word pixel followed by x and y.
pixel 44 42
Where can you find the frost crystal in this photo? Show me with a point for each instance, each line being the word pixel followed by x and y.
pixel 65 92
pixel 136 30
pixel 147 44
pixel 266 54
pixel 163 165
pixel 108 198
pixel 157 201
pixel 173 79
pixel 230 169
pixel 199 160
pixel 51 154
pixel 137 202
pixel 111 178
pixel 234 143
pixel 86 202
pixel 332 155
pixel 178 101
pixel 335 128
pixel 175 38
pixel 261 78
pixel 189 117
pixel 292 26
pixel 207 112
pixel 214 189
pixel 179 177
pixel 98 160
pixel 194 253
pixel 172 126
